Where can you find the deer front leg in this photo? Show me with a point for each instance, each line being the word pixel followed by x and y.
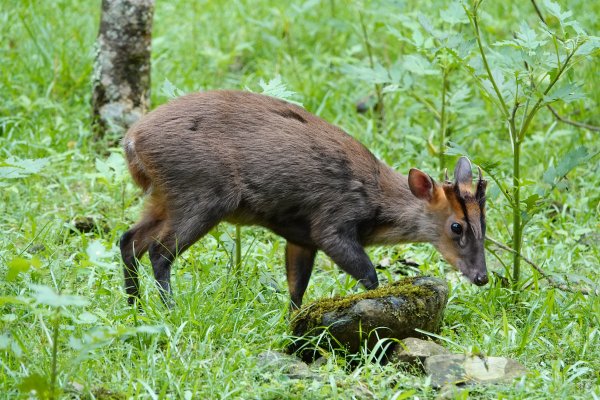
pixel 343 247
pixel 299 262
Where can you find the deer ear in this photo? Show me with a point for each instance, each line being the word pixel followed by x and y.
pixel 420 184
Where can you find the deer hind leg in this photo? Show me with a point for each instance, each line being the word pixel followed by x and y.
pixel 135 242
pixel 299 263
pixel 184 228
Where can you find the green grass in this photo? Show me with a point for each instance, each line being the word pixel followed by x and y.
pixel 208 345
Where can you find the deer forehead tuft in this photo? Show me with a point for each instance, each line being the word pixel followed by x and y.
pixel 475 217
pixel 467 206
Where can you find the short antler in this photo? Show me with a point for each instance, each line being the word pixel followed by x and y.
pixel 481 186
pixel 463 176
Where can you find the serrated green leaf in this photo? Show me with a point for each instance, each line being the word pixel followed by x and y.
pixel 426 24
pixel 460 95
pixel 489 166
pixel 4 341
pixel 100 255
pixel 418 65
pixel 460 45
pixel 102 167
pixel 10 317
pixel 149 329
pixel 96 251
pixel 86 317
pixel 8 343
pixel 549 175
pixel 509 42
pixel 577 28
pixel 376 75
pixel 454 149
pixel 454 14
pixel 531 202
pixel 528 39
pixel 397 34
pixel 305 6
pixel 170 91
pixel 566 92
pixel 116 162
pixel 396 73
pixel 276 88
pixel 570 161
pixel 591 44
pixel 417 38
pixel 554 9
pixel 14 168
pixel 16 266
pixel 46 295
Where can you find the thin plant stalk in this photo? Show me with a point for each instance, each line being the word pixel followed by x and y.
pixel 499 96
pixel 54 371
pixel 517 223
pixel 378 109
pixel 443 125
pixel 517 138
pixel 238 251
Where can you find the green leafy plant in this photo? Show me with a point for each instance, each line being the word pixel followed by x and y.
pixel 13 168
pixel 529 73
pixel 56 304
pixel 275 87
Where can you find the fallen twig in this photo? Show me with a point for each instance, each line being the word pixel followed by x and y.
pixel 553 282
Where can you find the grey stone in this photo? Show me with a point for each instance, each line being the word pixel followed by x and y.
pixel 414 351
pixel 460 369
pixel 394 311
pixel 286 364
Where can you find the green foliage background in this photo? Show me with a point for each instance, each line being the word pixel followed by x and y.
pixel 52 174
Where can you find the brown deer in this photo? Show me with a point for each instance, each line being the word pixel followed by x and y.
pixel 252 159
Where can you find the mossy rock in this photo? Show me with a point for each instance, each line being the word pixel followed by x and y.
pixel 392 311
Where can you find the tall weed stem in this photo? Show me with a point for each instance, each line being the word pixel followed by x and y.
pixel 54 371
pixel 443 126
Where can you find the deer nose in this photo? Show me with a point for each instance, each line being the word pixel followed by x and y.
pixel 481 279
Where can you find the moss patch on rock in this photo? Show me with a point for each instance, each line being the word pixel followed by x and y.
pixel 314 311
pixel 393 311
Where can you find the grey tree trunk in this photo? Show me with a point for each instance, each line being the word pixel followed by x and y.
pixel 121 79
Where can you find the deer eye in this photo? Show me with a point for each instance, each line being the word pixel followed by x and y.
pixel 456 228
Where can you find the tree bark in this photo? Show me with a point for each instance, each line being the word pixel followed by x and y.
pixel 121 79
